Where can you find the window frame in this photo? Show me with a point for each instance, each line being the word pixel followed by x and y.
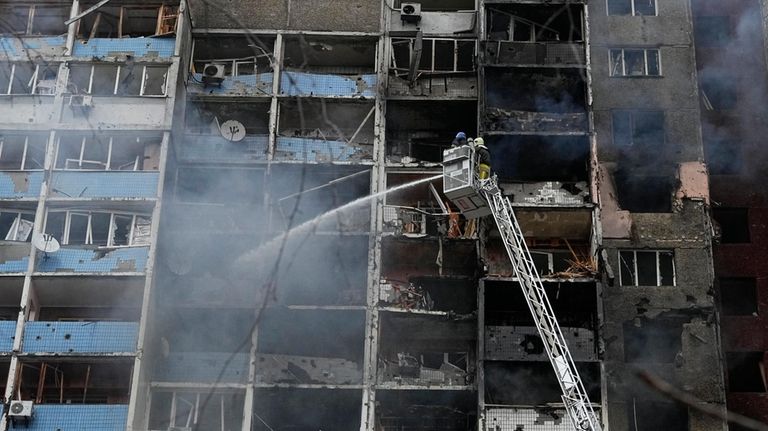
pixel 632 122
pixel 35 80
pixel 403 71
pixel 16 224
pixel 633 9
pixel 107 164
pixel 635 276
pixel 25 153
pixel 624 74
pixel 116 80
pixel 113 215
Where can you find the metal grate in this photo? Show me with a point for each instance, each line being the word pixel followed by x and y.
pixel 527 419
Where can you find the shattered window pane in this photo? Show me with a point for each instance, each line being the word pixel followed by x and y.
pixel 645 7
pixel 634 62
pixel 666 268
pixel 7 221
pixel 5 77
pixel 654 69
pixel 35 157
pixel 627 267
pixel 154 80
pixel 11 151
pixel 15 21
pixel 23 78
pixel 78 229
pixel 104 80
pixel 49 20
pixel 129 81
pixel 617 62
pixel 122 229
pixel 99 228
pixel 54 224
pixel 619 7
pixel 647 274
pixel 79 78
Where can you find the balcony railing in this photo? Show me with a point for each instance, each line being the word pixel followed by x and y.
pixel 66 417
pixel 26 47
pixel 94 260
pixel 497 52
pixel 136 47
pixel 328 85
pixel 80 337
pixel 107 184
pixel 7 332
pixel 20 184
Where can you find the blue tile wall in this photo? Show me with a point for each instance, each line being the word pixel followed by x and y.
pixel 315 84
pixel 80 337
pixel 70 259
pixel 202 367
pixel 217 149
pixel 15 265
pixel 14 46
pixel 108 184
pixel 76 417
pixel 245 85
pixel 20 184
pixel 136 46
pixel 7 332
pixel 319 150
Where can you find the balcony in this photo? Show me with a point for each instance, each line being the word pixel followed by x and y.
pixel 502 121
pixel 259 84
pixel 20 184
pixel 65 417
pixel 555 54
pixel 80 337
pixel 135 47
pixel 101 185
pixel 529 418
pixel 14 257
pixel 327 85
pixel 7 333
pixel 202 367
pixel 321 150
pixel 523 343
pixel 94 260
pixel 216 149
pixel 22 47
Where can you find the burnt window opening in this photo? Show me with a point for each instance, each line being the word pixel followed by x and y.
pixel 539 158
pixel 196 410
pixel 438 56
pixel 738 296
pixel 553 90
pixel 127 21
pixel 746 371
pixel 306 409
pixel 48 20
pixel 527 23
pixel 652 341
pixel 439 294
pixel 22 152
pixel 712 31
pixel 647 268
pixel 240 56
pixel 403 258
pixel 441 5
pixel 16 225
pixel 632 7
pixel 346 122
pixel 533 383
pixel 644 194
pixel 75 382
pixel 426 410
pixel 724 156
pixel 28 78
pixel 206 118
pixel 643 129
pixel 733 224
pixel 120 80
pixel 420 131
pixel 651 416
pixel 15 19
pixel 635 62
pixel 108 153
pixel 719 92
pixel 344 56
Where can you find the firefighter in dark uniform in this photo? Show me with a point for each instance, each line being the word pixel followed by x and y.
pixel 483 159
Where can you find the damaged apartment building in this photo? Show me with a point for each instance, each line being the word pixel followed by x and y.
pixel 169 261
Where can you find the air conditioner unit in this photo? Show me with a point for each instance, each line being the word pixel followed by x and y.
pixel 20 409
pixel 213 73
pixel 410 13
pixel 81 100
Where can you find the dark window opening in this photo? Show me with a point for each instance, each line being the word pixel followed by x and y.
pixel 646 268
pixel 536 90
pixel 653 416
pixel 746 371
pixel 539 23
pixel 426 410
pixel 712 31
pixel 733 223
pixel 306 409
pixel 533 383
pixel 539 158
pixel 644 194
pixel 738 296
pixel 189 410
pixel 49 20
pixel 75 382
pixel 640 128
pixel 15 19
pixel 652 341
pixel 346 56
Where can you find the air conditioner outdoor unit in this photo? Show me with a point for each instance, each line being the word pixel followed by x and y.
pixel 20 409
pixel 81 100
pixel 410 13
pixel 213 73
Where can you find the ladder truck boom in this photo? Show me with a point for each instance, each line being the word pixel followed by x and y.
pixel 477 198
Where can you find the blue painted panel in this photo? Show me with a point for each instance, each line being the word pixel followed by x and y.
pixel 14 46
pixel 202 367
pixel 15 256
pixel 244 85
pixel 76 417
pixel 7 333
pixel 20 184
pixel 108 184
pixel 80 337
pixel 306 84
pixel 217 149
pixel 68 259
pixel 136 46
pixel 319 150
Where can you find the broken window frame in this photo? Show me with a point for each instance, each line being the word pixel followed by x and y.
pixel 117 85
pixel 34 82
pixel 123 15
pixel 24 157
pixel 29 27
pixel 536 30
pixel 403 71
pixel 13 232
pixel 614 62
pixel 133 238
pixel 633 8
pixel 107 164
pixel 634 269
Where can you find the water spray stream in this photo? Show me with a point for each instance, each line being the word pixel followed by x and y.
pixel 258 253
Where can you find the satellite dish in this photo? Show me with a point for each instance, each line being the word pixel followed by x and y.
pixel 45 243
pixel 232 130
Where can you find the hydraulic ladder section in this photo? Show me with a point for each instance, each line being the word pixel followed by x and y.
pixel 462 186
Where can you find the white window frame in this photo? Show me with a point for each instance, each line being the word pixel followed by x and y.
pixel 634 9
pixel 410 41
pixel 89 229
pixel 85 140
pixel 15 226
pixel 142 87
pixel 623 74
pixel 635 279
pixel 35 81
pixel 23 166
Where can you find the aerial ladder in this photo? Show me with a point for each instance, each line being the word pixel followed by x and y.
pixel 476 198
